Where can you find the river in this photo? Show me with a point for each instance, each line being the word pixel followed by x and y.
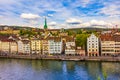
pixel 19 69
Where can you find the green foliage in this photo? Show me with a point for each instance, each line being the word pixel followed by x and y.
pixel 79 31
pixel 81 40
pixel 27 33
pixel 71 32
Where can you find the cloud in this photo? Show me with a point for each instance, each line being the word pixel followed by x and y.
pixel 50 15
pixel 52 24
pixel 111 8
pixel 73 21
pixel 92 23
pixel 29 16
pixel 65 13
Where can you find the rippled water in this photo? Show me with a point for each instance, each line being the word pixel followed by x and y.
pixel 15 69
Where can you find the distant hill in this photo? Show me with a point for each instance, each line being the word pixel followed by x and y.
pixel 3 27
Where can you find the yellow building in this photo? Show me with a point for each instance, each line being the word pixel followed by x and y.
pixel 45 45
pixel 36 46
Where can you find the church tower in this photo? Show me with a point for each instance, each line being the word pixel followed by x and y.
pixel 45 23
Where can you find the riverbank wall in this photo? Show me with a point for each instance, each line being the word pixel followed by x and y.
pixel 64 58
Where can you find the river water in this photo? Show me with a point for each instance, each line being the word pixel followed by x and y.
pixel 18 69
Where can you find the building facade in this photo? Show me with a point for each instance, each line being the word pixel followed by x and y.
pixel 92 45
pixel 55 45
pixel 107 44
pixel 45 47
pixel 70 46
pixel 36 46
pixel 24 47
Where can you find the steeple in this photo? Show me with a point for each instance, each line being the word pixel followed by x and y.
pixel 45 24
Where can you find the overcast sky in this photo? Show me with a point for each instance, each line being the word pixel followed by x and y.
pixel 60 13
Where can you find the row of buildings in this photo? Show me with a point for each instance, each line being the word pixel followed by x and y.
pixel 51 45
pixel 106 44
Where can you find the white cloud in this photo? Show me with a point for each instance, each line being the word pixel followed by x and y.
pixel 111 9
pixel 29 16
pixel 93 23
pixel 73 21
pixel 52 24
pixel 50 15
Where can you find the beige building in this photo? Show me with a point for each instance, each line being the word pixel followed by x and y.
pixel 36 46
pixel 13 47
pixel 107 44
pixel 5 47
pixel 45 46
pixel 70 45
pixel 8 46
pixel 80 51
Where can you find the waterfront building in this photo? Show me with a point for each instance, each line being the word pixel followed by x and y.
pixel 116 37
pixel 24 47
pixel 36 46
pixel 80 51
pixel 13 47
pixel 8 46
pixel 70 45
pixel 107 44
pixel 55 45
pixel 5 47
pixel 45 47
pixel 93 45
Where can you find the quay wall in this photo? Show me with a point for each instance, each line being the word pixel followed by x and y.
pixel 61 57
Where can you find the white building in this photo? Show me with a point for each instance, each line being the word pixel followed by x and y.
pixel 92 45
pixel 55 45
pixel 24 47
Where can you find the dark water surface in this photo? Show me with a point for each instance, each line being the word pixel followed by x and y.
pixel 15 69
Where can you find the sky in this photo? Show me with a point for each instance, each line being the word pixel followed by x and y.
pixel 61 13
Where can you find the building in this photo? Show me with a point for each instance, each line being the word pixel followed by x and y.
pixel 69 45
pixel 80 52
pixel 107 44
pixel 116 37
pixel 5 47
pixel 13 47
pixel 8 47
pixel 24 47
pixel 45 47
pixel 93 45
pixel 36 46
pixel 55 45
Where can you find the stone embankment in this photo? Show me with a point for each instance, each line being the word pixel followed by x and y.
pixel 62 57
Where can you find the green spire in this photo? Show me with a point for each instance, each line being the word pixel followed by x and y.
pixel 45 25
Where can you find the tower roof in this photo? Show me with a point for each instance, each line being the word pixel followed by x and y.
pixel 45 23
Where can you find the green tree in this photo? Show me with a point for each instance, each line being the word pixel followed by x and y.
pixel 81 40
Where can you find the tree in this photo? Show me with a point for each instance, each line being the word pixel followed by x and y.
pixel 81 40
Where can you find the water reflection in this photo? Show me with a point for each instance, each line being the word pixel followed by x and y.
pixel 15 69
